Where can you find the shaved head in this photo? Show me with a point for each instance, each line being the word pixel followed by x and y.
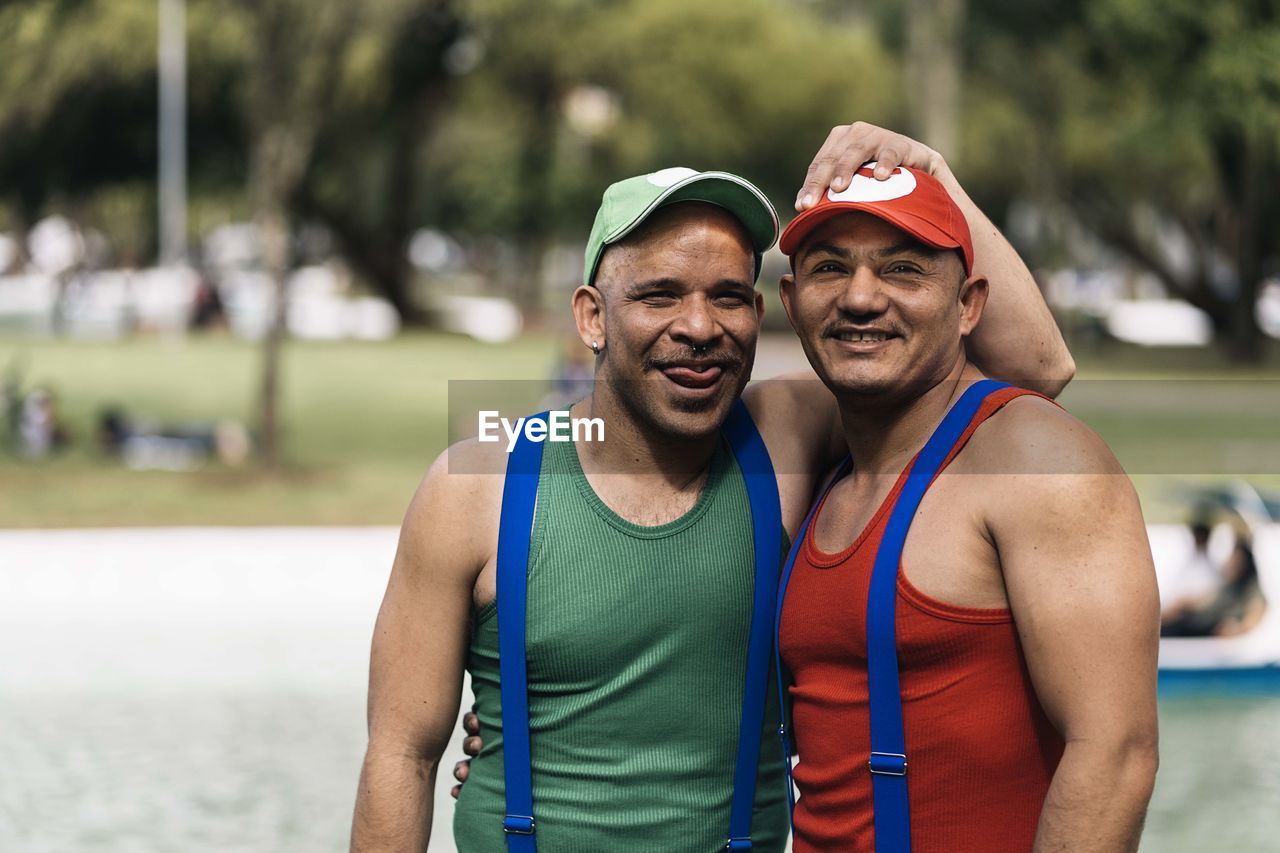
pixel 673 227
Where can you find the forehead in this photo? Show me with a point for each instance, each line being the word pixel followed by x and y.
pixel 857 231
pixel 690 240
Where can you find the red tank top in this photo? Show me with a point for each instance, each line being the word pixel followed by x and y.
pixel 980 751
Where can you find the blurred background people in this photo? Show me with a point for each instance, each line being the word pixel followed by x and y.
pixel 146 444
pixel 40 430
pixel 1232 603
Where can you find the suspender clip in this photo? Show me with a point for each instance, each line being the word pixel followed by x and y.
pixel 887 764
pixel 738 844
pixel 518 824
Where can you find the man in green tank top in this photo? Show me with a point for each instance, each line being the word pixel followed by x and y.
pixel 640 568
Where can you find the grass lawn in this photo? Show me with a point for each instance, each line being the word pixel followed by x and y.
pixel 364 420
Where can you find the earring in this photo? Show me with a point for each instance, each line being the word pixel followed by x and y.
pixel 595 348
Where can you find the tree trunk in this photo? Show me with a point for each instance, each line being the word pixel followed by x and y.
pixel 537 159
pixel 273 229
pixel 934 72
pixel 1246 343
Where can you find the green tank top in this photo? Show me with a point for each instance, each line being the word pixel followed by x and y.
pixel 636 655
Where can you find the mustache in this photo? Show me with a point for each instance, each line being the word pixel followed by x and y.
pixel 834 328
pixel 726 361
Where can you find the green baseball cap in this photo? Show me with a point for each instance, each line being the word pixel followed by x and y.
pixel 628 203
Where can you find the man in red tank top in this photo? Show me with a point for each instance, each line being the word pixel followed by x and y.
pixel 1026 610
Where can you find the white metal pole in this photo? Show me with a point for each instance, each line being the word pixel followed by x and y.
pixel 173 133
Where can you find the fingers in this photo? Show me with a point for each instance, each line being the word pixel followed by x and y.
pixel 860 149
pixel 471 723
pixel 887 159
pixel 849 146
pixel 460 772
pixel 818 177
pixel 472 746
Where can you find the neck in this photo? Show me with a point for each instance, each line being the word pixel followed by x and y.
pixel 884 433
pixel 630 447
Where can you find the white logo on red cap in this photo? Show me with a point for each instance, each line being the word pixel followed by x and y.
pixel 864 187
pixel 667 177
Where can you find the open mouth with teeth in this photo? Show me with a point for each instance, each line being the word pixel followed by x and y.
pixel 863 336
pixel 866 337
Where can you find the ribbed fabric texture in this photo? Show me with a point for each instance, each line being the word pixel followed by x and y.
pixel 980 751
pixel 637 650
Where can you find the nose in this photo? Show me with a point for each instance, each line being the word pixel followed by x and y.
pixel 863 295
pixel 696 326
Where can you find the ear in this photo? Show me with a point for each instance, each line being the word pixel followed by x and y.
pixel 787 292
pixel 973 299
pixel 587 304
pixel 759 306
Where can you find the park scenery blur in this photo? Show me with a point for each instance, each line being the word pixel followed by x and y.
pixel 245 247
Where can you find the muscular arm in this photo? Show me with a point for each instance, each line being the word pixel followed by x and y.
pixel 800 424
pixel 1077 569
pixel 1018 339
pixel 419 647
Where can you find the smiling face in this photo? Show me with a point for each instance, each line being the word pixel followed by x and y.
pixel 677 314
pixel 879 313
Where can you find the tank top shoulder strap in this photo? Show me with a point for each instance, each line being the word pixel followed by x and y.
pixel 994 402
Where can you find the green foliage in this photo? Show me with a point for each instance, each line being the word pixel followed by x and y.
pixel 1151 121
pixel 726 84
pixel 468 115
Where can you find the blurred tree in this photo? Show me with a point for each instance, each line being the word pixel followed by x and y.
pixel 297 57
pixel 1157 122
pixel 933 66
pixel 78 113
pixel 365 178
pixel 569 96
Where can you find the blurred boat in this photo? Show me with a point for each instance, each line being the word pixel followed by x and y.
pixel 1248 662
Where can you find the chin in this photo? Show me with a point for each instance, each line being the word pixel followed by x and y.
pixel 862 383
pixel 688 417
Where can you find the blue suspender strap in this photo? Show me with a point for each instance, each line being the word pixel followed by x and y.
pixel 777 635
pixel 766 524
pixel 888 760
pixel 519 496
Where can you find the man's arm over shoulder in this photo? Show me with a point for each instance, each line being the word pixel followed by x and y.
pixel 419 647
pixel 1018 339
pixel 1079 576
pixel 800 424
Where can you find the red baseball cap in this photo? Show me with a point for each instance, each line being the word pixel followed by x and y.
pixel 908 199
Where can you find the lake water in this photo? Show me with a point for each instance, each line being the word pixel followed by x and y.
pixel 203 690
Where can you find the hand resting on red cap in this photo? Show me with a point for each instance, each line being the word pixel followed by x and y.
pixel 848 146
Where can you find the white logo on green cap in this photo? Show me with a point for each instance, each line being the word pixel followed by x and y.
pixel 667 177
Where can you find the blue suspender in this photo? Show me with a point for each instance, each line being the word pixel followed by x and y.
pixel 519 497
pixel 888 760
pixel 766 522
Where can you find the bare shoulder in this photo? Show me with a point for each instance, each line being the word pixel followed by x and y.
pixel 1031 435
pixel 452 520
pixel 795 414
pixel 1050 478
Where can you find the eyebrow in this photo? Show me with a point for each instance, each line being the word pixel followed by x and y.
pixel 906 247
pixel 910 247
pixel 676 284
